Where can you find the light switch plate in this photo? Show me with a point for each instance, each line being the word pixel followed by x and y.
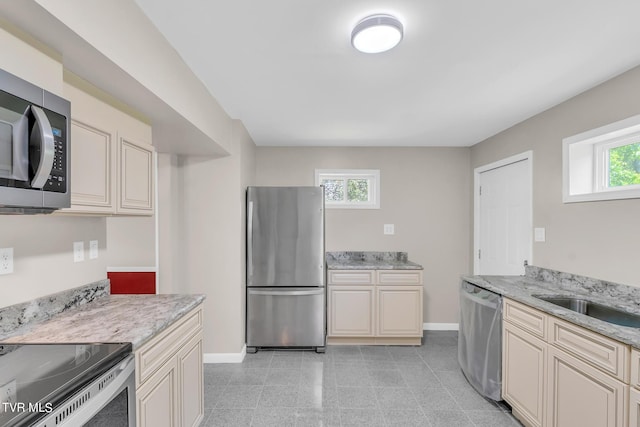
pixel 389 229
pixel 6 260
pixel 78 251
pixel 93 249
pixel 539 234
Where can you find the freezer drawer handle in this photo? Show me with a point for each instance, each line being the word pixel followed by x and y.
pixel 287 293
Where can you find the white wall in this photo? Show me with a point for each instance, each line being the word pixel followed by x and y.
pixel 598 239
pixel 425 192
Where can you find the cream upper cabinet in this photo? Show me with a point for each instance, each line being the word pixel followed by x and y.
pixel 135 177
pixel 112 164
pixel 92 168
pixel 375 307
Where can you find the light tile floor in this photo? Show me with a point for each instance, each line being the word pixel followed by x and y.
pixel 349 386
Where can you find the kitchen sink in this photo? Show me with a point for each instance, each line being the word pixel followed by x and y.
pixel 595 310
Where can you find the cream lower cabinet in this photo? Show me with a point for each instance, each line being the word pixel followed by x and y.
pixel 112 168
pixel 634 390
pixel 374 307
pixel 524 360
pixel 169 376
pixel 634 407
pixel 558 374
pixel 351 311
pixel 581 395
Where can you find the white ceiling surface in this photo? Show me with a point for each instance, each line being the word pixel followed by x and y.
pixel 465 70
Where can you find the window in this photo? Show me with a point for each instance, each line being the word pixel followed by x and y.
pixel 603 163
pixel 350 188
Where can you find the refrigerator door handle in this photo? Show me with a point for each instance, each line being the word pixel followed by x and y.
pixel 249 241
pixel 319 291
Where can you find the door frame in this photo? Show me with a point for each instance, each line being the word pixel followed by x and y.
pixel 527 155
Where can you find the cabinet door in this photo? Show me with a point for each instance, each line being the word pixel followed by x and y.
pixel 399 311
pixel 634 407
pixel 157 398
pixel 523 373
pixel 581 395
pixel 351 311
pixel 92 169
pixel 191 382
pixel 136 176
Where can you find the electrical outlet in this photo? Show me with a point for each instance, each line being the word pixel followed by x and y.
pixel 7 394
pixel 6 260
pixel 78 251
pixel 389 229
pixel 93 249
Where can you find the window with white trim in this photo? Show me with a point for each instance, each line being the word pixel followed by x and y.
pixel 350 188
pixel 603 163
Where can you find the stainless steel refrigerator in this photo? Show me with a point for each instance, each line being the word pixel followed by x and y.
pixel 286 293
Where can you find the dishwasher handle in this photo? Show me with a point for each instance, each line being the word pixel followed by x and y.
pixel 473 293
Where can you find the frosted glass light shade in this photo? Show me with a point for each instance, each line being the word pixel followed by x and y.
pixel 377 33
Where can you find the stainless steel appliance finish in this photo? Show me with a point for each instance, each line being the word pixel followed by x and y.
pixel 67 385
pixel 480 339
pixel 34 148
pixel 286 296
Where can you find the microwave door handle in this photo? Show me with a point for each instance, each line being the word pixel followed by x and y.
pixel 47 148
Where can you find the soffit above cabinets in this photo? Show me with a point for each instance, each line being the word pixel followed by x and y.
pixel 95 43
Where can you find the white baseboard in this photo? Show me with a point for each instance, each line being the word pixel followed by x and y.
pixel 225 357
pixel 440 326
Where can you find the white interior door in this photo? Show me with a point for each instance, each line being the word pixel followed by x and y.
pixel 504 219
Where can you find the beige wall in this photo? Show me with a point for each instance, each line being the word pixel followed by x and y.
pixel 425 192
pixel 201 244
pixel 597 239
pixel 170 224
pixel 43 244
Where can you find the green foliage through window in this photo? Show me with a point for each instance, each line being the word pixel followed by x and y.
pixel 624 165
pixel 358 190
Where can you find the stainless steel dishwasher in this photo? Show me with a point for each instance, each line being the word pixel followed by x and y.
pixel 480 339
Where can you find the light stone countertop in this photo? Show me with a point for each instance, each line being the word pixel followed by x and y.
pixel 539 281
pixel 110 318
pixel 370 261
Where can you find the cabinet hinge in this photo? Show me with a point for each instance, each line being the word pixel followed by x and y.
pixel 481 190
pixel 479 253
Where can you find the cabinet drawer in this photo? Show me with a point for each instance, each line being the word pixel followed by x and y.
pixel 400 277
pixel 352 277
pixel 156 352
pixel 604 353
pixel 525 317
pixel 635 368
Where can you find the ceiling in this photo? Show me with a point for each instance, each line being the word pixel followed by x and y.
pixel 465 70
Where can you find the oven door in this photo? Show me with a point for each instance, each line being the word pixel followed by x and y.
pixel 109 400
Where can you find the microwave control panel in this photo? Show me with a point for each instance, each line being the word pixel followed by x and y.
pixel 57 181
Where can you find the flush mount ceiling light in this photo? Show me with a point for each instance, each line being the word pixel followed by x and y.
pixel 377 33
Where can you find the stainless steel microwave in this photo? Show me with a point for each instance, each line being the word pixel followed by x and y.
pixel 34 148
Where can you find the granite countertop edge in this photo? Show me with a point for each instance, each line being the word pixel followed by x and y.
pixel 111 318
pixel 522 289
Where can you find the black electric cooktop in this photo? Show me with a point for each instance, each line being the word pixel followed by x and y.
pixel 36 378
